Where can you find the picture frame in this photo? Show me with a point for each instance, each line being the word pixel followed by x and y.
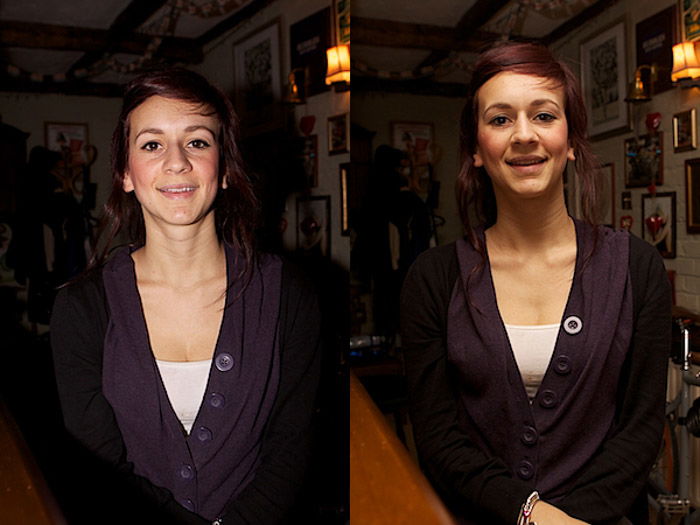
pixel 655 37
pixel 415 139
pixel 690 20
pixel 309 159
pixel 644 160
pixel 314 225
pixel 339 134
pixel 603 59
pixel 257 79
pixel 69 139
pixel 344 170
pixel 308 40
pixel 659 222
pixel 342 21
pixel 692 195
pixel 685 131
pixel 606 212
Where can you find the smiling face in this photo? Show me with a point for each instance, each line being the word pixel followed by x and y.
pixel 522 136
pixel 173 162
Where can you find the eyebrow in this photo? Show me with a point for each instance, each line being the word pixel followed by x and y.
pixel 535 103
pixel 188 129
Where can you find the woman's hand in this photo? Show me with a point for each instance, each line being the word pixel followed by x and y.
pixel 546 514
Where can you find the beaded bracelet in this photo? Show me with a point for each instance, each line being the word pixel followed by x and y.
pixel 526 509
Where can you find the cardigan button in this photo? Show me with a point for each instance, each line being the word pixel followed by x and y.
pixel 525 469
pixel 186 472
pixel 529 435
pixel 562 365
pixel 217 400
pixel 573 325
pixel 204 434
pixel 548 399
pixel 224 362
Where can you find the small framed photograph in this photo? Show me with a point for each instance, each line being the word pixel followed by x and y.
pixel 692 195
pixel 344 198
pixel 659 222
pixel 690 20
pixel 338 134
pixel 685 134
pixel 415 139
pixel 309 159
pixel 603 60
pixel 313 225
pixel 644 160
pixel 606 213
pixel 68 139
pixel 258 93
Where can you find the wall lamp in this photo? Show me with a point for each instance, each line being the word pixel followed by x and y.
pixel 686 64
pixel 338 72
pixel 640 90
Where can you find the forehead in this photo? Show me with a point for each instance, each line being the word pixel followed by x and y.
pixel 516 89
pixel 161 113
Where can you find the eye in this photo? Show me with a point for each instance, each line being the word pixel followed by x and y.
pixel 545 117
pixel 500 120
pixel 199 144
pixel 150 146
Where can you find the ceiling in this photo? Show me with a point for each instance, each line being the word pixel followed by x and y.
pixel 92 47
pixel 409 45
pixel 427 47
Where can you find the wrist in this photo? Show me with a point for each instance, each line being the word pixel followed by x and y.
pixel 525 515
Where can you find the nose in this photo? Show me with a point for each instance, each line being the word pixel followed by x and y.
pixel 524 132
pixel 176 160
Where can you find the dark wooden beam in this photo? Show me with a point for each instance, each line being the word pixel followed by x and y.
pixel 389 33
pixel 245 13
pixel 478 14
pixel 64 38
pixel 75 87
pixel 135 15
pixel 577 21
pixel 412 87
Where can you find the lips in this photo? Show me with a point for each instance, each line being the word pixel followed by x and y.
pixel 528 160
pixel 177 189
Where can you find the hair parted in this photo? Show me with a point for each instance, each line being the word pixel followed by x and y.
pixel 236 206
pixel 474 188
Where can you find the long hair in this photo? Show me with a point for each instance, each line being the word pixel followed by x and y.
pixel 475 193
pixel 235 208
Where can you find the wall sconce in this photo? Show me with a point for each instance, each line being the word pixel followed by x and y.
pixel 640 91
pixel 296 88
pixel 686 64
pixel 338 72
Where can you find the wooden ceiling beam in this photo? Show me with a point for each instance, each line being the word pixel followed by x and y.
pixel 76 87
pixel 412 87
pixel 64 38
pixel 389 33
pixel 578 21
pixel 245 13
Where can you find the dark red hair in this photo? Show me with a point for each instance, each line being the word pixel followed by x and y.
pixel 236 207
pixel 475 196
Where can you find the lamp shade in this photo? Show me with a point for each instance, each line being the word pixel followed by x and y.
pixel 686 61
pixel 338 58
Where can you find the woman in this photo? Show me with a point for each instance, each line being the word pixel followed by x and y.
pixel 536 347
pixel 187 363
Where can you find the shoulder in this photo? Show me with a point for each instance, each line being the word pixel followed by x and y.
pixel 437 266
pixel 86 292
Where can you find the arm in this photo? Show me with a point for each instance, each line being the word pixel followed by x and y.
pixel 617 475
pixel 465 475
pixel 102 480
pixel 286 448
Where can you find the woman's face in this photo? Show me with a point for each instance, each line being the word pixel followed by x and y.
pixel 522 135
pixel 173 163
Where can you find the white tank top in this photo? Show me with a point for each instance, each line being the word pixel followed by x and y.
pixel 185 382
pixel 533 347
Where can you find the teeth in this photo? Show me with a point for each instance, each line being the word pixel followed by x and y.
pixel 526 162
pixel 177 190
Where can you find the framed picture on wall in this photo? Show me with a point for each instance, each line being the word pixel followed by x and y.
pixel 313 225
pixel 258 85
pixel 415 139
pixel 685 131
pixel 655 37
pixel 68 139
pixel 644 160
pixel 344 200
pixel 309 159
pixel 606 213
pixel 338 134
pixel 659 222
pixel 604 81
pixel 308 40
pixel 690 19
pixel 692 195
pixel 342 21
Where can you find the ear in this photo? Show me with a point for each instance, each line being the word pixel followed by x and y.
pixel 127 183
pixel 570 154
pixel 224 181
pixel 478 161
